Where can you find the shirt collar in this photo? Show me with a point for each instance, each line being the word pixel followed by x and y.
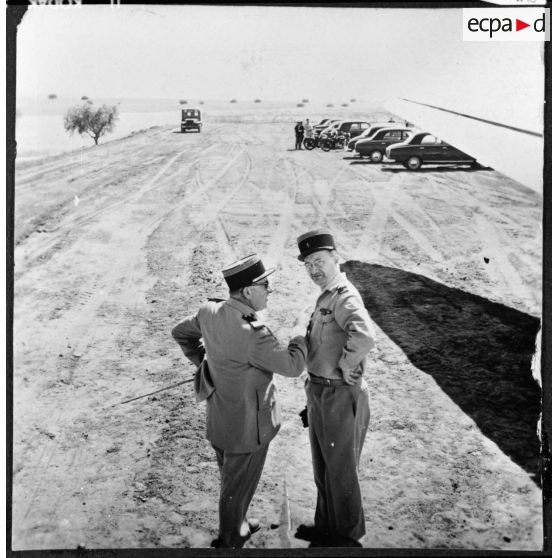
pixel 337 281
pixel 241 307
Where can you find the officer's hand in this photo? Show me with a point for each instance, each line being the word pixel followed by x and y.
pixel 304 417
pixel 351 378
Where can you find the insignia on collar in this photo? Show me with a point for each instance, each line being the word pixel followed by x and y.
pixel 342 289
pixel 253 321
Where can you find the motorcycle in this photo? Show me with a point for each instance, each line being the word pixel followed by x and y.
pixel 310 143
pixel 335 142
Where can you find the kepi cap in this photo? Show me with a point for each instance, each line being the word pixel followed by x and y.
pixel 245 272
pixel 313 241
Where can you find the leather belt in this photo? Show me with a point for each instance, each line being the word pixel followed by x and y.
pixel 326 381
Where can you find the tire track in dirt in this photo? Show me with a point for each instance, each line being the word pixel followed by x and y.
pixel 223 239
pixel 133 255
pixel 327 210
pixel 384 210
pixel 498 246
pixel 280 234
pixel 441 245
pixel 73 223
pixel 91 300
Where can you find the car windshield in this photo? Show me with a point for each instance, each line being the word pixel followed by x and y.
pixel 324 121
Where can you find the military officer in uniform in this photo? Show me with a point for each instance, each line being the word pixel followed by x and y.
pixel 243 413
pixel 340 336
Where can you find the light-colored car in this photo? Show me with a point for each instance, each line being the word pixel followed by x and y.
pixel 375 147
pixel 326 122
pixel 350 127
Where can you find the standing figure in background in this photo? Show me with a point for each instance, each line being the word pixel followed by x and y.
pixel 308 130
pixel 238 356
pixel 340 336
pixel 299 135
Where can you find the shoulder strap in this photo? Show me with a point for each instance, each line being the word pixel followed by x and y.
pixel 254 323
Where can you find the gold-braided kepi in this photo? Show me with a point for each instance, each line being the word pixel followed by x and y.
pixel 245 272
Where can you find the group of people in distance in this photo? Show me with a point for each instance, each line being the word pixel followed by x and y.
pixel 303 131
pixel 237 356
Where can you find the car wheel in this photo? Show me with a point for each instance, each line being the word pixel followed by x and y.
pixel 376 156
pixel 413 163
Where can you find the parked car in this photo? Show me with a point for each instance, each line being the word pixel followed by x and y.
pixel 375 146
pixel 351 127
pixel 369 132
pixel 191 120
pixel 319 128
pixel 424 148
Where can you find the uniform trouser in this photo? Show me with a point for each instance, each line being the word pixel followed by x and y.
pixel 240 474
pixel 338 418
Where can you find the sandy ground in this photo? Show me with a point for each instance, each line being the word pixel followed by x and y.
pixel 117 243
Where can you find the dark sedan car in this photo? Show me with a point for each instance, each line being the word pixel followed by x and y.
pixel 375 147
pixel 368 133
pixel 424 148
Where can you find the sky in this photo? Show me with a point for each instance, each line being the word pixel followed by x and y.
pixel 272 52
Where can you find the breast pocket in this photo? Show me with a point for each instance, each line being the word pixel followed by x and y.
pixel 327 326
pixel 269 413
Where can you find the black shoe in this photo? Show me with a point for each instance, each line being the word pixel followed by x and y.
pixel 218 543
pixel 253 525
pixel 312 534
pixel 340 541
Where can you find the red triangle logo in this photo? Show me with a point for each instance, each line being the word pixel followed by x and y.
pixel 519 25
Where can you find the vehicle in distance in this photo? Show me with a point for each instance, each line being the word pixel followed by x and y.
pixel 326 122
pixel 424 148
pixel 369 132
pixel 191 120
pixel 351 127
pixel 375 147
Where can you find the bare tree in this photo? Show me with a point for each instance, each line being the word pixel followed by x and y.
pixel 91 121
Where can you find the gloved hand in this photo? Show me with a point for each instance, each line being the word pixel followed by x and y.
pixel 304 417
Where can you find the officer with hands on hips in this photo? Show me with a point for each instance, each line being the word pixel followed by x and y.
pixel 240 356
pixel 340 336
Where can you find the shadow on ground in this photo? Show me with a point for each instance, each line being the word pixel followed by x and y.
pixel 479 352
pixel 434 168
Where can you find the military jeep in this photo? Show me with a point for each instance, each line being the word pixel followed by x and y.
pixel 191 120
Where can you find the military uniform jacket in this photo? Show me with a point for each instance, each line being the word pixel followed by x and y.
pixel 243 412
pixel 340 333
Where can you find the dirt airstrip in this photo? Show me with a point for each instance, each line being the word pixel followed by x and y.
pixel 116 243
